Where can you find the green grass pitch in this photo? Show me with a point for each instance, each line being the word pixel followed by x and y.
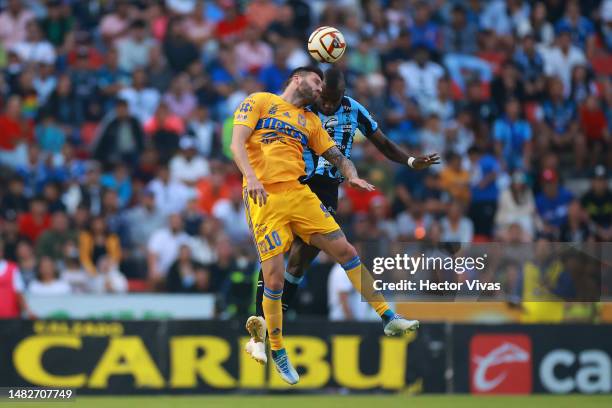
pixel 379 401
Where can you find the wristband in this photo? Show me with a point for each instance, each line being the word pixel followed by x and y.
pixel 410 162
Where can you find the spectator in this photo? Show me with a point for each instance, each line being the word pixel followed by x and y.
pixel 414 222
pixel 503 17
pixel 443 106
pixel 58 25
pixel 144 220
pixel 134 51
pixel 111 79
pixel 26 260
pixel 271 76
pixel 204 132
pixel 180 97
pixel 187 167
pixel 52 242
pixel 90 190
pixel 460 35
pixel 71 270
pixel 203 245
pixel 165 129
pixel 13 23
pixel 577 227
pixel 163 249
pixel 115 25
pixel 108 278
pixel 594 124
pixel 539 25
pixel 233 24
pixel 160 75
pixel 512 138
pixel 484 192
pixel 119 181
pixel 252 52
pixel 552 204
pixel 559 61
pixel 559 129
pixel 182 273
pixel 505 86
pixel 120 137
pixel 45 81
pixel 421 76
pixel 455 180
pixel 52 195
pixel 9 234
pixel 530 64
pixel 47 281
pixel 85 84
pixel 14 201
pixel 455 226
pixel 34 48
pixel 597 204
pixel 198 27
pixel 142 100
pixel 432 138
pixel 32 224
pixel 12 303
pixel 424 31
pixel 180 52
pixel 49 135
pixel 63 104
pixel 581 29
pixel 516 206
pixel 232 214
pixel 171 195
pixel 97 242
pixel 16 132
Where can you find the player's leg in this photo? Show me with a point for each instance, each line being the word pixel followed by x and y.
pixel 301 256
pixel 336 245
pixel 273 272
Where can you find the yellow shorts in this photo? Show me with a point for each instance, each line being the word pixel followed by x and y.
pixel 296 210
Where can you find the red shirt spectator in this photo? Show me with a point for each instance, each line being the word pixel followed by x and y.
pixel 34 223
pixel 13 129
pixel 360 199
pixel 233 25
pixel 593 119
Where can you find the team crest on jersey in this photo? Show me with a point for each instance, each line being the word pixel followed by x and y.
pixel 273 110
pixel 325 210
pixel 330 124
pixel 301 120
pixel 246 107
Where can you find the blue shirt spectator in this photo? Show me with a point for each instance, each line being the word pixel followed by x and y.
pixel 553 202
pixel 487 169
pixel 511 135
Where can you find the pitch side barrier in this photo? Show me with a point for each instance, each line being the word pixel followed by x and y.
pixel 195 357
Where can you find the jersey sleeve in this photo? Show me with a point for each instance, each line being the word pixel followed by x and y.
pixel 319 140
pixel 249 111
pixel 365 123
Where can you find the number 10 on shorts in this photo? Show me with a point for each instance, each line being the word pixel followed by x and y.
pixel 270 241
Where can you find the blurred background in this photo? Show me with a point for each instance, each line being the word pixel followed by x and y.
pixel 119 198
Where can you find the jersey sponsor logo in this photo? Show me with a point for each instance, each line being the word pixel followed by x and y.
pixel 241 116
pixel 500 364
pixel 281 127
pixel 301 120
pixel 325 210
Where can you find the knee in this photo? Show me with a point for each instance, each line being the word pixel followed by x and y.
pixel 346 253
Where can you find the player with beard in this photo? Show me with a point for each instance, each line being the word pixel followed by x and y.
pixel 269 136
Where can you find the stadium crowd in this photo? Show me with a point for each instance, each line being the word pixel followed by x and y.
pixel 116 116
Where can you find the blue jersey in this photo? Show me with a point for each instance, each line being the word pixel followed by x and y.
pixel 341 126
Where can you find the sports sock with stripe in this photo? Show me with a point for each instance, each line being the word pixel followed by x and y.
pixel 362 280
pixel 273 312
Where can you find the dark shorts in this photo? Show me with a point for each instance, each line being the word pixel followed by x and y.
pixel 327 191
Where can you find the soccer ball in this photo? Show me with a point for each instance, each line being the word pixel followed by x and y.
pixel 326 44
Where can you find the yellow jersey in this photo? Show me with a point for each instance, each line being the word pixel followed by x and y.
pixel 281 132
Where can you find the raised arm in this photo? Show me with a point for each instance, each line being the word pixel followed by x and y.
pixel 347 168
pixel 394 153
pixel 240 135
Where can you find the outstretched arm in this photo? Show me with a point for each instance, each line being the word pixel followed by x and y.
pixel 240 135
pixel 347 168
pixel 394 153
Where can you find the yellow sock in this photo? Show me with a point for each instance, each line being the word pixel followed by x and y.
pixel 362 280
pixel 273 311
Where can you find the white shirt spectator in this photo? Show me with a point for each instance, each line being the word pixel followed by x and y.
pixel 54 288
pixel 112 281
pixel 234 219
pixel 142 102
pixel 497 17
pixel 35 52
pixel 171 198
pixel 165 245
pixel 422 82
pixel 202 251
pixel 337 284
pixel 134 54
pixel 510 212
pixel 464 231
pixel 557 63
pixel 188 171
pixel 13 29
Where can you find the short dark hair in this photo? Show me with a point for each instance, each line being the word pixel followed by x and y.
pixel 302 71
pixel 334 79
